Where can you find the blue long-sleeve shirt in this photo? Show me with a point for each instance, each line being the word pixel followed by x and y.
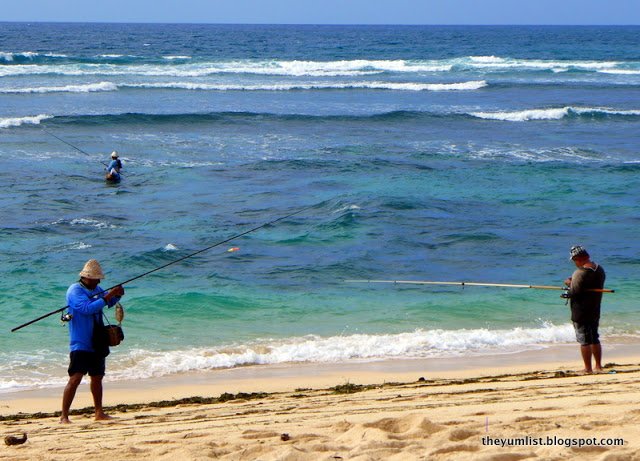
pixel 85 310
pixel 115 163
pixel 114 169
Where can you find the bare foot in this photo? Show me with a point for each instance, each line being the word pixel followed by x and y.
pixel 584 372
pixel 64 420
pixel 598 370
pixel 103 417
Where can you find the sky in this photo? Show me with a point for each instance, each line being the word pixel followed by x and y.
pixel 551 12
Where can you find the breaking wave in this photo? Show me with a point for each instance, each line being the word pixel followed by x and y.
pixel 362 347
pixel 109 86
pixel 590 113
pixel 17 121
pixel 471 85
pixel 37 370
pixel 29 63
pixel 554 114
pixel 88 88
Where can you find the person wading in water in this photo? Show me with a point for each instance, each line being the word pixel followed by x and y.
pixel 114 167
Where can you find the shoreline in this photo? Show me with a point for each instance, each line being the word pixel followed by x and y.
pixel 500 416
pixel 476 409
pixel 277 378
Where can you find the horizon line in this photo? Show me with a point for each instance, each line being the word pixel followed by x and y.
pixel 314 24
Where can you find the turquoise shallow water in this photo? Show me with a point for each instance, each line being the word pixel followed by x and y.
pixel 423 153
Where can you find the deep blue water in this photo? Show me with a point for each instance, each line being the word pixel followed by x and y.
pixel 425 153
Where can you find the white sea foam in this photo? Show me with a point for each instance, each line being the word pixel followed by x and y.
pixel 375 85
pixel 17 121
pixel 166 163
pixel 88 222
pixel 551 114
pixel 353 67
pixel 9 57
pixel 170 247
pixel 30 370
pixel 87 88
pixel 6 56
pixel 175 66
pixel 91 222
pixel 418 344
pixel 497 63
pixel 76 246
pixel 602 110
pixel 522 115
pixel 554 154
pixel 487 59
pixel 347 208
pixel 38 369
pixel 462 86
pixel 620 71
pixel 269 67
pixel 472 85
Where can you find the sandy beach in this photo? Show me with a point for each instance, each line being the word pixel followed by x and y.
pixel 267 167
pixel 483 408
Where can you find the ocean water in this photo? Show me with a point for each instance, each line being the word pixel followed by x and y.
pixel 423 153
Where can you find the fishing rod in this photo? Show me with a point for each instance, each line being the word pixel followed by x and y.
pixel 70 145
pixel 477 284
pixel 222 242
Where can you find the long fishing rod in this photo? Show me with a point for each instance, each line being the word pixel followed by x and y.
pixel 477 284
pixel 222 242
pixel 70 145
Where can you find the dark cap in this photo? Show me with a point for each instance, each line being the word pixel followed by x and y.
pixel 577 250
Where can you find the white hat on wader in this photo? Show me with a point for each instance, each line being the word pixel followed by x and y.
pixel 92 270
pixel 114 154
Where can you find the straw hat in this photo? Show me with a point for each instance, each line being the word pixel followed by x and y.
pixel 114 154
pixel 92 270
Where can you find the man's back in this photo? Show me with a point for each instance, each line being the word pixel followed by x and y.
pixel 585 304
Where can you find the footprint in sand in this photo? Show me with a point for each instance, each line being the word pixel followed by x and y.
pixel 508 457
pixel 251 434
pixel 455 447
pixel 388 431
pixel 457 435
pixel 405 425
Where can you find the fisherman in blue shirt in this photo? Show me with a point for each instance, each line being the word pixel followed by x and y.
pixel 86 300
pixel 114 167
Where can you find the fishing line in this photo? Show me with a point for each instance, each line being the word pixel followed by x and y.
pixel 222 242
pixel 69 144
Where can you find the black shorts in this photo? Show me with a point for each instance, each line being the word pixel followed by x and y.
pixel 587 333
pixel 86 362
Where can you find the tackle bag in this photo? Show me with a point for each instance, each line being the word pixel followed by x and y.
pixel 115 334
pixel 105 336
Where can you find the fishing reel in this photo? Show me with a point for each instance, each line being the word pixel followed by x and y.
pixel 65 317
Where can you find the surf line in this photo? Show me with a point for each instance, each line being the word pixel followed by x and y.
pixel 69 144
pixel 222 242
pixel 477 284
